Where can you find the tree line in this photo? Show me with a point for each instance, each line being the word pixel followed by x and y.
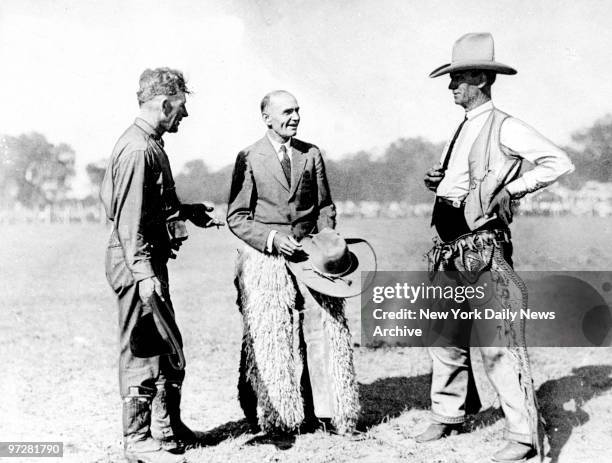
pixel 35 172
pixel 397 174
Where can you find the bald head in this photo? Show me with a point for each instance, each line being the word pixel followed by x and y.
pixel 265 101
pixel 280 112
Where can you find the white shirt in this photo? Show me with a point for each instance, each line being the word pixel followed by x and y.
pixel 549 161
pixel 277 147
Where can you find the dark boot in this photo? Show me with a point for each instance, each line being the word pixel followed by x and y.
pixel 166 423
pixel 139 446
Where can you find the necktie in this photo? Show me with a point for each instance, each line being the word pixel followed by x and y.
pixel 286 164
pixel 452 145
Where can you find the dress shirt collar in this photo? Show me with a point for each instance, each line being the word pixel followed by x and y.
pixel 148 129
pixel 276 145
pixel 478 110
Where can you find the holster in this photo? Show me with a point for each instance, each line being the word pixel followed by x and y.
pixel 469 255
pixel 177 233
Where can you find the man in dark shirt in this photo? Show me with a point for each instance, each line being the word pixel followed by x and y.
pixel 139 197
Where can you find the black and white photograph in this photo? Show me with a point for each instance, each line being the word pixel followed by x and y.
pixel 306 231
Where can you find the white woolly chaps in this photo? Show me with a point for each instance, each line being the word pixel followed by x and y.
pixel 272 388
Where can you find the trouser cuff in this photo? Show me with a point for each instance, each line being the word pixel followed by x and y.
pixel 518 437
pixel 447 419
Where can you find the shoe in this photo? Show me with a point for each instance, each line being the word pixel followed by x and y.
pixel 150 451
pixel 166 423
pixel 514 452
pixel 139 446
pixel 310 425
pixel 437 431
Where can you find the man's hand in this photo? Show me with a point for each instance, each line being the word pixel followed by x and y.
pixel 198 214
pixel 285 244
pixel 433 177
pixel 501 204
pixel 148 286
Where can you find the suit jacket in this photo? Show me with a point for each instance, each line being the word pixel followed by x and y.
pixel 261 199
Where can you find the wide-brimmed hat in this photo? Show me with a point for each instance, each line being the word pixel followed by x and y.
pixel 473 51
pixel 332 265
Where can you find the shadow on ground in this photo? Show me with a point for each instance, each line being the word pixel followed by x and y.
pixel 388 397
pixel 561 404
pixel 229 430
pixel 234 429
pixel 561 401
pixel 280 441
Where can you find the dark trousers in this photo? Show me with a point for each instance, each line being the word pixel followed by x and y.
pixel 141 365
pixel 449 221
pixel 450 224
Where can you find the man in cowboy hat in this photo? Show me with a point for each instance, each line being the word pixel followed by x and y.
pixel 478 176
pixel 296 361
pixel 139 197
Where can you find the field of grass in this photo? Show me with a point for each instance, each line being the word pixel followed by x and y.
pixel 58 346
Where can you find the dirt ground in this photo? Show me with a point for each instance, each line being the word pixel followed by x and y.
pixel 58 339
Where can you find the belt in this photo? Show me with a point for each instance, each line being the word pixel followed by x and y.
pixel 456 203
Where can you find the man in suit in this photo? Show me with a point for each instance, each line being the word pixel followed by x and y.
pixel 279 195
pixel 478 176
pixel 140 200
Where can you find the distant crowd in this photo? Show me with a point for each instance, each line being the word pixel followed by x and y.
pixel 593 199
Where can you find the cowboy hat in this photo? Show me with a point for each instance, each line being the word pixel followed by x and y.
pixel 332 265
pixel 473 51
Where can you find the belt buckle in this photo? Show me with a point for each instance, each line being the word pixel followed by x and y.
pixel 456 203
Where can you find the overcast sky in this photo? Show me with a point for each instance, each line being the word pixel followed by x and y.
pixel 358 68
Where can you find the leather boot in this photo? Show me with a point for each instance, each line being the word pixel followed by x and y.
pixel 166 423
pixel 437 431
pixel 138 444
pixel 514 452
